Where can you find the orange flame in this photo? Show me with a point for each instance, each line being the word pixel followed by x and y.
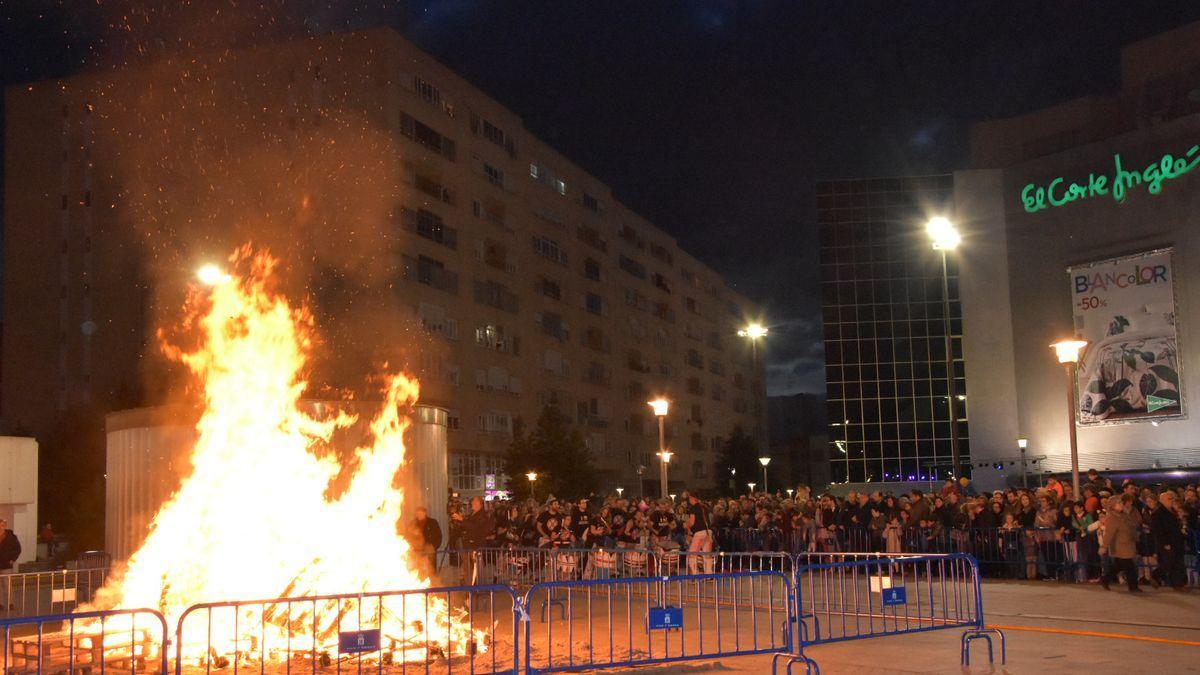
pixel 255 519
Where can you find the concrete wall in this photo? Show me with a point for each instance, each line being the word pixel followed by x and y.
pixel 19 491
pixel 1015 284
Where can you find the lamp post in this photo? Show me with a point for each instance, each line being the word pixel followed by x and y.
pixel 532 476
pixel 764 461
pixel 751 486
pixel 660 407
pixel 946 238
pixel 1023 443
pixel 620 491
pixel 790 491
pixel 754 332
pixel 1068 355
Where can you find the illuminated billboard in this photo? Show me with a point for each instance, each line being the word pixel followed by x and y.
pixel 1125 309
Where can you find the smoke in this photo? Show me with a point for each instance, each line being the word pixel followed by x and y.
pixel 220 124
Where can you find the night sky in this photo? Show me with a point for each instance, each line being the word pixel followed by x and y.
pixel 714 118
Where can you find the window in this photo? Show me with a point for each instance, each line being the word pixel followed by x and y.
pixel 718 392
pixel 590 203
pixel 553 325
pixel 453 419
pixel 555 363
pixel 663 311
pixel 628 234
pixel 535 171
pixel 434 320
pixel 661 282
pixel 694 359
pixel 594 304
pixel 597 373
pixel 427 92
pixel 593 338
pixel 494 337
pixel 632 266
pixel 549 248
pixel 690 305
pixel 495 176
pixel 426 136
pixel 713 340
pixel 430 272
pixel 433 188
pixel 496 422
pixel 591 237
pixel 549 288
pixel 495 255
pixel 636 362
pixel 560 187
pixel 696 442
pixel 591 269
pixel 429 225
pixel 496 295
pixel 661 253
pixel 697 416
pixel 699 469
pixel 715 367
pixel 635 299
pixel 694 386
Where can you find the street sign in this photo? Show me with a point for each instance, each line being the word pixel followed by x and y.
pixel 358 641
pixel 1157 403
pixel 894 596
pixel 665 618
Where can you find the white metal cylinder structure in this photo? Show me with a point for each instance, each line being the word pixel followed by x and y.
pixel 147 454
pixel 149 450
pixel 426 480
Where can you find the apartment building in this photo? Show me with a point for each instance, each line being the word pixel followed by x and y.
pixel 534 286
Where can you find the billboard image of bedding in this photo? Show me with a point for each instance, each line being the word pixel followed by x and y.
pixel 1125 309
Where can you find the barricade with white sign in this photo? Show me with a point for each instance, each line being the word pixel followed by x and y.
pixel 852 599
pixel 452 629
pixel 125 640
pixel 613 623
pixel 45 593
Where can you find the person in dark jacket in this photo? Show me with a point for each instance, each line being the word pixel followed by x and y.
pixel 1166 530
pixel 10 550
pixel 476 528
pixel 425 537
pixel 10 547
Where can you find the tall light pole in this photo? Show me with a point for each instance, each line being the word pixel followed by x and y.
pixel 946 238
pixel 751 486
pixel 660 407
pixel 532 476
pixel 764 461
pixel 1068 355
pixel 754 332
pixel 1023 443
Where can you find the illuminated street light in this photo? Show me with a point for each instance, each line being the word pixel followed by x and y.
pixel 764 461
pixel 790 491
pixel 211 275
pixel 620 491
pixel 751 486
pixel 1067 352
pixel 754 331
pixel 532 476
pixel 661 406
pixel 945 237
pixel 1023 443
pixel 943 233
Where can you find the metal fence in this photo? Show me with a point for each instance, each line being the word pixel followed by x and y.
pixel 126 641
pixel 28 594
pixel 452 629
pixel 588 624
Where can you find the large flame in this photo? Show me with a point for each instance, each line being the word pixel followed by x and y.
pixel 256 517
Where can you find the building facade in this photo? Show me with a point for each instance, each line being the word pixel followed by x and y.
pixel 884 327
pixel 1083 221
pixel 531 285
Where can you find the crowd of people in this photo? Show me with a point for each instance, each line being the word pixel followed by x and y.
pixel 1135 531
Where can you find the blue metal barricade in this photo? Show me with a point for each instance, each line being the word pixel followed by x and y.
pixel 521 568
pixel 458 628
pixel 850 599
pixel 638 621
pixel 124 640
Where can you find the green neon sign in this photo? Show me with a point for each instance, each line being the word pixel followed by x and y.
pixel 1060 193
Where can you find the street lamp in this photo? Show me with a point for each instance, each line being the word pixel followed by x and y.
pixel 751 486
pixel 790 491
pixel 532 476
pixel 946 238
pixel 764 461
pixel 1023 443
pixel 754 332
pixel 672 499
pixel 660 407
pixel 211 275
pixel 620 491
pixel 1068 355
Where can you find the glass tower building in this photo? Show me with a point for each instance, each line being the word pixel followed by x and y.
pixel 884 330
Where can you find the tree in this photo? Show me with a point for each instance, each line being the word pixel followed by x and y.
pixel 556 451
pixel 738 461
